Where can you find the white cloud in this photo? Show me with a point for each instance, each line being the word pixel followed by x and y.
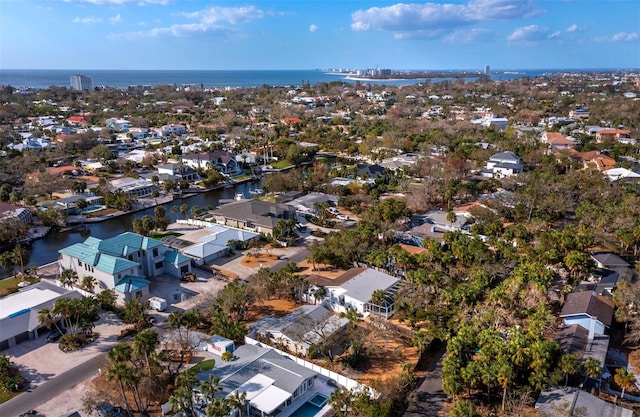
pixel 624 37
pixel 404 18
pixel 572 28
pixel 120 2
pixel 115 19
pixel 87 20
pixel 313 28
pixel 527 34
pixel 212 20
pixel 469 36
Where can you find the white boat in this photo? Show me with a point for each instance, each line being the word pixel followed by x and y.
pixel 239 196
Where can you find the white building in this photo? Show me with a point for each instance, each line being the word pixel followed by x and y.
pixel 81 82
pixel 501 165
pixel 19 311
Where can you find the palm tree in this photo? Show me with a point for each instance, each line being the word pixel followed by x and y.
pixel 238 400
pixel 592 368
pixel 624 379
pixel 319 293
pixel 46 318
pixel 569 364
pixel 89 283
pixel 68 278
pixel 351 314
pixel 144 344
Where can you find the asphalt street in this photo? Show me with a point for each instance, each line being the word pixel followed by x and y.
pixel 30 400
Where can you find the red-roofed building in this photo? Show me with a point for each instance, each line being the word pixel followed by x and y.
pixel 79 119
pixel 596 160
pixel 612 133
pixel 557 141
pixel 292 120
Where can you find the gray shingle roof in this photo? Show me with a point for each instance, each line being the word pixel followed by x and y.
pixel 587 302
pixel 362 285
pixel 553 401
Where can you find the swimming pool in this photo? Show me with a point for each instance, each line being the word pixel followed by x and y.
pixel 91 209
pixel 306 410
pixel 319 400
pixel 311 407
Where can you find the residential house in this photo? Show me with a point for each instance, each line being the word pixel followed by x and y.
pixel 578 341
pixel 11 212
pixel 300 330
pixel 205 244
pixel 602 281
pixel 609 260
pixel 19 311
pixel 173 130
pixel 588 310
pixel 569 401
pixel 615 134
pixel 490 120
pixel 556 141
pixel 579 114
pixel 172 172
pixel 224 161
pixel 501 165
pixel 355 288
pixel 307 203
pixel 118 125
pixel 272 383
pixel 253 215
pixel 397 162
pixel 123 262
pixel 594 160
pixel 132 186
pixel 69 204
pixel 622 174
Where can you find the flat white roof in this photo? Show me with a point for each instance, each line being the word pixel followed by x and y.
pixel 254 386
pixel 24 300
pixel 270 399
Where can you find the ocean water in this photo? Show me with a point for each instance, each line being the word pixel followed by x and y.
pixel 40 79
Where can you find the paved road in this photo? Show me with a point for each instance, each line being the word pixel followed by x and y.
pixel 428 398
pixel 44 392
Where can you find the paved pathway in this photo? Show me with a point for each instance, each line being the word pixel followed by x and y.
pixel 428 398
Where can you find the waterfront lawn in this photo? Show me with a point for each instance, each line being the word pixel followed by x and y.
pixel 160 235
pixel 9 285
pixel 280 164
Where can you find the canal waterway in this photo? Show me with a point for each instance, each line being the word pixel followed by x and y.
pixel 45 250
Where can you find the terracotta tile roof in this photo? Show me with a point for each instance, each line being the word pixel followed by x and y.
pixel 292 120
pixel 557 138
pixel 413 250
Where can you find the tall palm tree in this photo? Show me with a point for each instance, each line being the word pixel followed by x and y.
pixel 68 278
pixel 592 368
pixel 144 344
pixel 46 318
pixel 624 379
pixel 569 364
pixel 238 400
pixel 89 283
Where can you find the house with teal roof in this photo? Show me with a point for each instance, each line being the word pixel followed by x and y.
pixel 126 262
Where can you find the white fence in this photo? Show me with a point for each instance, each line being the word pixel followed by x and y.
pixel 194 222
pixel 342 380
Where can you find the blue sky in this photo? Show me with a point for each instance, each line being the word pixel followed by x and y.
pixel 302 34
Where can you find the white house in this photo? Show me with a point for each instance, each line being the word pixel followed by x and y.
pixel 355 289
pixel 19 311
pixel 501 165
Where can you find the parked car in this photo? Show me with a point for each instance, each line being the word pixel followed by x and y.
pixel 107 410
pixel 342 217
pixel 55 335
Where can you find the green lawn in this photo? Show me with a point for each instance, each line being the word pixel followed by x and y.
pixel 205 365
pixel 8 286
pixel 280 164
pixel 160 235
pixel 6 396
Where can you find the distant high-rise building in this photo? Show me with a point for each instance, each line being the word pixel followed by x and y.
pixel 486 70
pixel 81 82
